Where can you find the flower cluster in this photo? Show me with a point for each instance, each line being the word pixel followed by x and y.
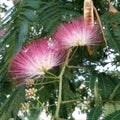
pixel 37 57
pixel 76 33
pixel 25 106
pixel 30 93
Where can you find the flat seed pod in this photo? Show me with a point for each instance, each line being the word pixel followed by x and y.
pixel 89 16
pixel 88 12
pixel 112 9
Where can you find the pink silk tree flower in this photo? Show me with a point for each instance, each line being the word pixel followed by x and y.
pixel 35 59
pixel 76 33
pixel 2 32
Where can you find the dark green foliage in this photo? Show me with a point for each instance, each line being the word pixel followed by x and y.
pixel 7 110
pixel 112 30
pixel 114 116
pixel 83 84
pixel 95 113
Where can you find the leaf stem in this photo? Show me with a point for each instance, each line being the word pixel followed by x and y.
pixel 69 101
pixel 49 77
pixel 114 91
pixel 43 107
pixel 80 67
pixel 44 83
pixel 66 102
pixel 49 73
pixel 60 85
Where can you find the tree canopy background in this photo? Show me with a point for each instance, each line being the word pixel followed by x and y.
pixel 90 82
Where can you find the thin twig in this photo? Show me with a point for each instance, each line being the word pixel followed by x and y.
pixel 66 102
pixel 44 83
pixel 81 67
pixel 69 66
pixel 101 27
pixel 44 107
pixel 69 101
pixel 49 77
pixel 49 73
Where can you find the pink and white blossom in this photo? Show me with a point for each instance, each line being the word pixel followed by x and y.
pixel 2 32
pixel 76 33
pixel 36 58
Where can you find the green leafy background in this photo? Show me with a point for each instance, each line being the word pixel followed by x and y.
pixel 32 19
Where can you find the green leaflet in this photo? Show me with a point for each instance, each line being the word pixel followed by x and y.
pixel 113 116
pixel 110 108
pixel 95 113
pixel 8 109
